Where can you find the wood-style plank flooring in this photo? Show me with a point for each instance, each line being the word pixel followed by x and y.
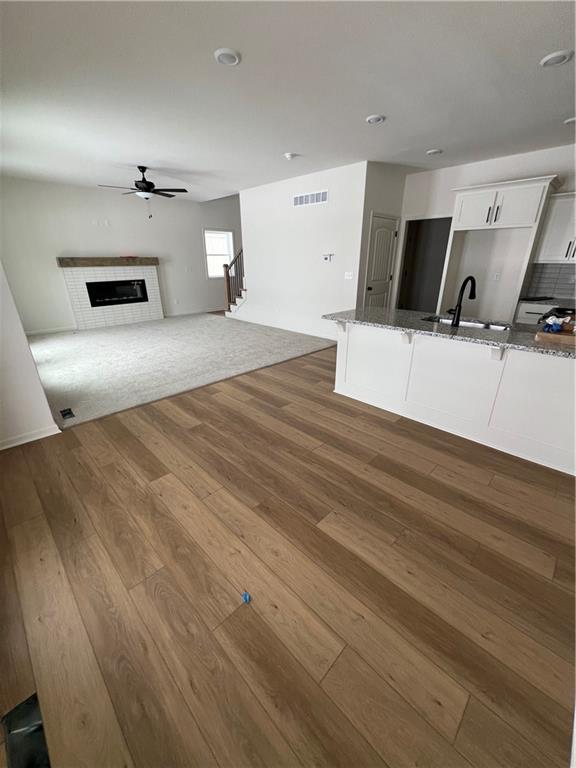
pixel 412 592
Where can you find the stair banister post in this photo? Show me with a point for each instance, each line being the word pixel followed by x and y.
pixel 227 281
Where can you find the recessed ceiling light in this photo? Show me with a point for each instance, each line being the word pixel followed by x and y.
pixel 557 58
pixel 375 119
pixel 570 120
pixel 227 56
pixel 434 151
pixel 291 155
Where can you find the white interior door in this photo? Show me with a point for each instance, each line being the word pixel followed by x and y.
pixel 380 265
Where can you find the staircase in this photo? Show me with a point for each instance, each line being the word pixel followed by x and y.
pixel 234 280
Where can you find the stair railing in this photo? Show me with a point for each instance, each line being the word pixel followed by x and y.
pixel 234 278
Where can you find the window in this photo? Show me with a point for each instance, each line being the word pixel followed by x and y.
pixel 219 246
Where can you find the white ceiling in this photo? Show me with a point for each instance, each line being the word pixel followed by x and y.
pixel 93 89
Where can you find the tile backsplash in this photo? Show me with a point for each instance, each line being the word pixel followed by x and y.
pixel 557 280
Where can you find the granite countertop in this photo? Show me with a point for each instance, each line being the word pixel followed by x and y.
pixel 519 336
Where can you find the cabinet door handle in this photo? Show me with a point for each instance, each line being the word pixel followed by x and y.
pixel 568 250
pixel 488 214
pixel 497 212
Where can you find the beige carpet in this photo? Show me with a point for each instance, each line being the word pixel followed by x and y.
pixel 110 369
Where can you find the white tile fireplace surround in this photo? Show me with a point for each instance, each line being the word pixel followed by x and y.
pixel 80 271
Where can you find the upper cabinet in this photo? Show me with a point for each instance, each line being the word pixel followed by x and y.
pixel 518 206
pixel 558 239
pixel 494 230
pixel 473 210
pixel 497 206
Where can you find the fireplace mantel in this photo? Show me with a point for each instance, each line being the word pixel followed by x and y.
pixel 107 261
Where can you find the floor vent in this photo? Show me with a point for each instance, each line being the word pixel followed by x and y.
pixel 24 736
pixel 67 413
pixel 311 198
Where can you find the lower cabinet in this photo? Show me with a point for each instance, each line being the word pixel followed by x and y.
pixel 454 377
pixel 517 401
pixel 378 361
pixel 536 399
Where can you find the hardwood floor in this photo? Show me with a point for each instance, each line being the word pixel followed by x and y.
pixel 412 592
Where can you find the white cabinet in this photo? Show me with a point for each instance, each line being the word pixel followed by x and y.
pixel 454 378
pixel 521 402
pixel 518 206
pixel 474 210
pixel 536 399
pixel 558 240
pixel 499 207
pixel 378 362
pixel 494 229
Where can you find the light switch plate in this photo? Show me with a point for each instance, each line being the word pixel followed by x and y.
pixel 348 275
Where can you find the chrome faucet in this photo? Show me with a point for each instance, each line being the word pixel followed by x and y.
pixel 471 295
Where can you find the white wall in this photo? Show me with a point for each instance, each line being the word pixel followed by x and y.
pixel 484 253
pixel 24 411
pixel 383 194
pixel 43 220
pixel 429 194
pixel 288 283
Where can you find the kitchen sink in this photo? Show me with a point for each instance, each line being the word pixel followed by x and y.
pixel 481 324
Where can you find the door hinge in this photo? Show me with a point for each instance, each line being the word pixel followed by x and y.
pixel 396 233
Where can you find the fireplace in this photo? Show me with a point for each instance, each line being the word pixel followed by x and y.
pixel 112 292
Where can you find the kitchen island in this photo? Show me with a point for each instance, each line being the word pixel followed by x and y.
pixel 498 387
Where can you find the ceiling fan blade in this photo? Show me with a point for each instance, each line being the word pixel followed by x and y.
pixel 162 189
pixel 110 186
pixel 129 193
pixel 162 194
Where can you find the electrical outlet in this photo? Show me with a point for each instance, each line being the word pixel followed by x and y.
pixel 496 276
pixel 348 275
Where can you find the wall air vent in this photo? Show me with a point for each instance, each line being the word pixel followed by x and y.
pixel 311 198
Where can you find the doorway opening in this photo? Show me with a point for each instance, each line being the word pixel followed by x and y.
pixel 424 257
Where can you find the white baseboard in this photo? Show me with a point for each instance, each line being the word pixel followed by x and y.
pixel 324 329
pixel 62 329
pixel 28 437
pixel 219 308
pixel 515 445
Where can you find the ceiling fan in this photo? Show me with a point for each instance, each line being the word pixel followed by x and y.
pixel 144 188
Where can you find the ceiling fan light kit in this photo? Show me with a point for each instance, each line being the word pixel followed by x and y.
pixel 146 189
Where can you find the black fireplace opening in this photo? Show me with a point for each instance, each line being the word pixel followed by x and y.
pixel 110 292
